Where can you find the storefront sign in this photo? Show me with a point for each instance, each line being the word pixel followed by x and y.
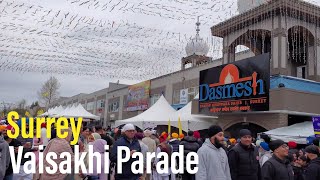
pixel 183 96
pixel 238 87
pixel 138 97
pixel 316 125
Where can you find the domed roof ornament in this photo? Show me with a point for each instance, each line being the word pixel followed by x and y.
pixel 197 46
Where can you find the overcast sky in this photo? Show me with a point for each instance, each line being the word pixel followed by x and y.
pixel 15 85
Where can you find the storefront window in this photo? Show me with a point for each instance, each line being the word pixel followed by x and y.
pixel 90 106
pixel 192 92
pixel 113 107
pixel 84 105
pixel 176 96
pixel 100 103
pixel 154 98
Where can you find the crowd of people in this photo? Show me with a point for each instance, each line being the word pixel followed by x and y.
pixel 219 158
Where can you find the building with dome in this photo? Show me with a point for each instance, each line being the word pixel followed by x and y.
pixel 289 30
pixel 196 50
pixel 110 103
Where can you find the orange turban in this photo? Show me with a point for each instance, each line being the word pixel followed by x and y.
pixel 175 136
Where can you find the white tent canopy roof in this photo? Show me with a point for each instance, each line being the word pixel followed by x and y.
pixel 71 111
pixel 158 114
pixel 193 122
pixel 162 111
pixel 296 132
pixel 79 111
pixel 53 111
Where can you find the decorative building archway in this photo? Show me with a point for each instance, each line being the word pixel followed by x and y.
pixel 301 52
pixel 233 130
pixel 258 41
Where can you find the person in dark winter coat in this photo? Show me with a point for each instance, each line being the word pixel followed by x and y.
pixel 104 136
pixel 278 166
pixel 313 169
pixel 299 173
pixel 174 142
pixel 129 140
pixel 197 135
pixel 243 158
pixel 190 144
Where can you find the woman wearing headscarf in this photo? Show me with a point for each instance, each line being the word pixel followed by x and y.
pixel 91 139
pixel 58 146
pixel 98 146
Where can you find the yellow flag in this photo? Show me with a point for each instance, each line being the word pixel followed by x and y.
pixel 179 126
pixel 46 94
pixel 27 114
pixel 40 111
pixel 169 129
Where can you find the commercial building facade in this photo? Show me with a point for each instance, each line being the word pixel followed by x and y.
pixel 295 74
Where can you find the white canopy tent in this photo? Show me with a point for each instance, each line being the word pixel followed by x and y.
pixel 296 132
pixel 64 111
pixel 71 111
pixel 193 122
pixel 162 111
pixel 79 111
pixel 157 114
pixel 53 111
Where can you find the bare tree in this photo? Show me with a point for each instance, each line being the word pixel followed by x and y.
pixel 49 91
pixel 22 104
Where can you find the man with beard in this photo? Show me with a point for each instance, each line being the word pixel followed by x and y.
pixel 243 161
pixel 128 139
pixel 313 169
pixel 213 160
pixel 278 166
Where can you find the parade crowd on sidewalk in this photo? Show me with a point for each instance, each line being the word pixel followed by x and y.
pixel 220 158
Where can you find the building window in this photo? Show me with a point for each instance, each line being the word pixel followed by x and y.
pixel 192 92
pixel 154 98
pixel 301 72
pixel 100 103
pixel 113 107
pixel 84 105
pixel 90 106
pixel 176 96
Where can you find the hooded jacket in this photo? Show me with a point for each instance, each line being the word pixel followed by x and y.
pixel 313 170
pixel 213 163
pixel 4 157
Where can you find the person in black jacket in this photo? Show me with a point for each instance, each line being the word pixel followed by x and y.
pixel 174 142
pixel 313 169
pixel 129 140
pixel 302 163
pixel 190 144
pixel 243 159
pixel 278 166
pixel 104 136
